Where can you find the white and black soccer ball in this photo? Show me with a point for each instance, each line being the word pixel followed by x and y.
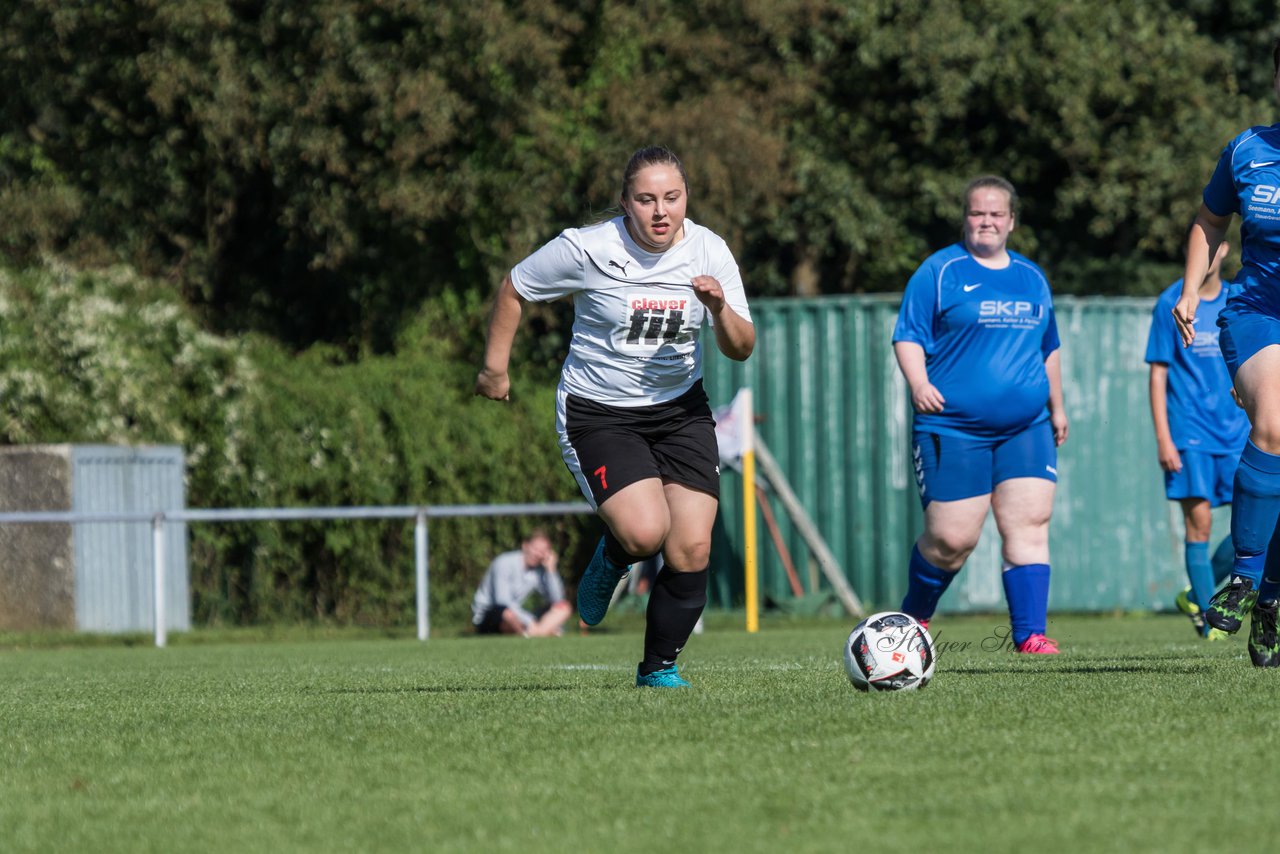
pixel 889 651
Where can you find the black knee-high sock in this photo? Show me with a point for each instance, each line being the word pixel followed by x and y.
pixel 675 605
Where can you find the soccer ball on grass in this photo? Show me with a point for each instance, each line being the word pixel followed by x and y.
pixel 889 651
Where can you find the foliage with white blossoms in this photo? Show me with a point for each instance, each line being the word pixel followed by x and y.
pixel 108 356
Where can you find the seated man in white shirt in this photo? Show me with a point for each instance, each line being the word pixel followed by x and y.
pixel 499 604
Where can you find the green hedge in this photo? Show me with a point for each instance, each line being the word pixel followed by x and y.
pixel 113 357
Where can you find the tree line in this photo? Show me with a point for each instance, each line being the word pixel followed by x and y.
pixel 317 171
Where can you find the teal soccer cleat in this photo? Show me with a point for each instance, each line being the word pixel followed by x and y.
pixel 668 678
pixel 1231 605
pixel 595 590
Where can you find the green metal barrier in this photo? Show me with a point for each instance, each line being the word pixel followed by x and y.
pixel 834 411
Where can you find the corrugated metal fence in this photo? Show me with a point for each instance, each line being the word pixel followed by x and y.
pixel 96 576
pixel 113 561
pixel 833 409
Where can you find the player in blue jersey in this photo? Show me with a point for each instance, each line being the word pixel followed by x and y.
pixel 977 343
pixel 1200 432
pixel 1246 181
pixel 635 427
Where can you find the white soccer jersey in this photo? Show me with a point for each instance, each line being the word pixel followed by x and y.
pixel 636 318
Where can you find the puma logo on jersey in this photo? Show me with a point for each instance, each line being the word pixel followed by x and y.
pixel 622 266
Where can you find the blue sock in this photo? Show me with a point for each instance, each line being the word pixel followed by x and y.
pixel 1199 573
pixel 1224 557
pixel 1255 505
pixel 925 585
pixel 1027 590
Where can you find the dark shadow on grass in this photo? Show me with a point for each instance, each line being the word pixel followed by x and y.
pixel 1194 667
pixel 449 689
pixel 1153 656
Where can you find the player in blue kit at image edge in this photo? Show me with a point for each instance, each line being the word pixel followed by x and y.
pixel 977 343
pixel 1200 432
pixel 1246 181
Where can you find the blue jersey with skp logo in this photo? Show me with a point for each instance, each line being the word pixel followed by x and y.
pixel 1247 182
pixel 1202 415
pixel 985 335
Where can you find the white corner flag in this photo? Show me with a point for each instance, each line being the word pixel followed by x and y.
pixel 729 432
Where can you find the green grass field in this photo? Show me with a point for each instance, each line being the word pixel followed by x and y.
pixel 362 743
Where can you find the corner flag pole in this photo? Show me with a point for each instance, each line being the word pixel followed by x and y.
pixel 746 418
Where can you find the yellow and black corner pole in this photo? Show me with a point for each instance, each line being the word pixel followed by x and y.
pixel 746 418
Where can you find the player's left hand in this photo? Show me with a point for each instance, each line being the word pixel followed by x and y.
pixel 708 291
pixel 1060 427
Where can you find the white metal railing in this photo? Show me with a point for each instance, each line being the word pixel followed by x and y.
pixel 419 513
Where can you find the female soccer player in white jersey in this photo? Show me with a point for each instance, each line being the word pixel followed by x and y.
pixel 1247 181
pixel 635 427
pixel 978 345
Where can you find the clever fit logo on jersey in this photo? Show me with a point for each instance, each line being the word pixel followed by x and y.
pixel 1009 314
pixel 655 318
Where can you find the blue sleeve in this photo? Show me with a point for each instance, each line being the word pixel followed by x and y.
pixel 919 307
pixel 1220 194
pixel 1050 341
pixel 1160 341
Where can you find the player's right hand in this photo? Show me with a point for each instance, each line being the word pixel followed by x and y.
pixel 926 398
pixel 493 384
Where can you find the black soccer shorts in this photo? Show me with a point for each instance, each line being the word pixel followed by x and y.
pixel 608 448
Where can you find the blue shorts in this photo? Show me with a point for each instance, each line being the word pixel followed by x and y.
pixel 949 468
pixel 1203 475
pixel 1245 331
